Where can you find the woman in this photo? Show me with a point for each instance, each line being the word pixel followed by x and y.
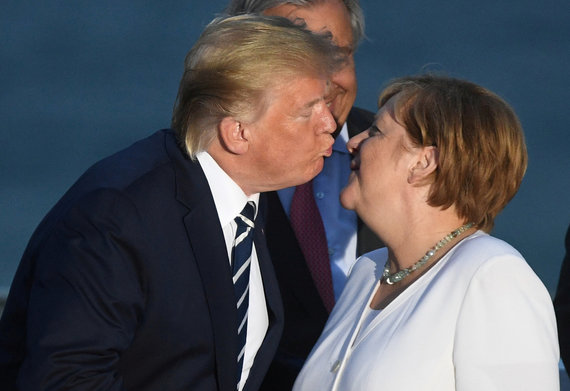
pixel 444 306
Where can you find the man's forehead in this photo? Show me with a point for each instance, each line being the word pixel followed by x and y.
pixel 312 16
pixel 304 89
pixel 283 10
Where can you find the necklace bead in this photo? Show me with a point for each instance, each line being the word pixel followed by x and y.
pixel 393 278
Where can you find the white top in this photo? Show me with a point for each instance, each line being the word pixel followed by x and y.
pixel 478 320
pixel 230 201
pixel 340 224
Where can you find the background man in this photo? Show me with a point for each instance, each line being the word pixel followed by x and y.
pixel 144 276
pixel 311 259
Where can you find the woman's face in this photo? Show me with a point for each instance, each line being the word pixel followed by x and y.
pixel 383 157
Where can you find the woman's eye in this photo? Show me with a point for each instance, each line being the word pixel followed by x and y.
pixel 374 131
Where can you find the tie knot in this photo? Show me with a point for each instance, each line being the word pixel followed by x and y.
pixel 247 215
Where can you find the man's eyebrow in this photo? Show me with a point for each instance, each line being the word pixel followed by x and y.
pixel 313 102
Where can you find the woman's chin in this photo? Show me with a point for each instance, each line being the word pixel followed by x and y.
pixel 347 197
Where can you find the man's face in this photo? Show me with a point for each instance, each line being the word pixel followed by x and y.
pixel 288 142
pixel 330 16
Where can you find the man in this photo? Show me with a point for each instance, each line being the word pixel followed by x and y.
pixel 144 275
pixel 307 298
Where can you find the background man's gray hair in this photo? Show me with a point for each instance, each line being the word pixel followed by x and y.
pixel 236 7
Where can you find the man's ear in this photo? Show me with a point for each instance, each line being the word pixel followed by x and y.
pixel 424 166
pixel 232 136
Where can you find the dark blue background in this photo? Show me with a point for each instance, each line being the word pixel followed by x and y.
pixel 82 79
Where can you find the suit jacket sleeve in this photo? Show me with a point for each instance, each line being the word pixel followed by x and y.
pixel 86 299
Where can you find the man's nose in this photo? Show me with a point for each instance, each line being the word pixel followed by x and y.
pixel 329 123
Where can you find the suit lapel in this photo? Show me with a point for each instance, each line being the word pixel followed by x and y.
pixel 209 250
pixel 206 239
pixel 272 295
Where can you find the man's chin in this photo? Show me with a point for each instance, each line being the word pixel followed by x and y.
pixel 310 174
pixel 317 169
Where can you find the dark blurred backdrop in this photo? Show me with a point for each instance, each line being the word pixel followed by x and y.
pixel 80 80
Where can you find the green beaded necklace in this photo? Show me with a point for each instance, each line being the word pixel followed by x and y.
pixel 400 275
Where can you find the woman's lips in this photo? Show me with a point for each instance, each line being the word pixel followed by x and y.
pixel 354 164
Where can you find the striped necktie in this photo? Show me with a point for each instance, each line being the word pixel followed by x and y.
pixel 241 261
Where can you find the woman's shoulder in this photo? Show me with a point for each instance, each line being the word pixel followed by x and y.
pixel 483 257
pixel 489 244
pixel 482 248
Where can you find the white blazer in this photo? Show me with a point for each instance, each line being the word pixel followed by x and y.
pixel 479 320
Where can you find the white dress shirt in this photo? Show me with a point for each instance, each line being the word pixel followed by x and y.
pixel 230 201
pixel 340 224
pixel 479 319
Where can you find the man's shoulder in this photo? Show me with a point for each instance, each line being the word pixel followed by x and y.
pixel 136 172
pixel 146 160
pixel 358 120
pixel 143 155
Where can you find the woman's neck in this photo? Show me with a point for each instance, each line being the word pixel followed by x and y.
pixel 418 235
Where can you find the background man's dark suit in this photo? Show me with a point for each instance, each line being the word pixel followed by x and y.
pixel 305 313
pixel 133 260
pixel 562 306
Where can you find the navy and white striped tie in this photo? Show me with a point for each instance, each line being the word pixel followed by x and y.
pixel 241 261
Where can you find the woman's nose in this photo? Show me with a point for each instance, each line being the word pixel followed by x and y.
pixel 354 142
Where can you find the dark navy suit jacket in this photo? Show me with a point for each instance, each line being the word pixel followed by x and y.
pixel 125 285
pixel 562 305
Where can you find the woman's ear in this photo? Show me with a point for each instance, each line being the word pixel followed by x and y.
pixel 424 166
pixel 232 135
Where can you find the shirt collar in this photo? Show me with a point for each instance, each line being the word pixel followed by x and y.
pixel 341 140
pixel 229 198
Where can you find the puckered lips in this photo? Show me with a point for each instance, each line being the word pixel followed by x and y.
pixel 328 151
